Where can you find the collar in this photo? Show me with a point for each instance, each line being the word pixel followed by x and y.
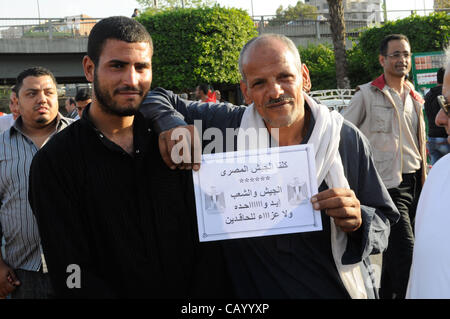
pixel 61 122
pixel 380 83
pixel 141 131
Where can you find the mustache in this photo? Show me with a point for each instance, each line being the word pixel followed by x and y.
pixel 283 98
pixel 127 89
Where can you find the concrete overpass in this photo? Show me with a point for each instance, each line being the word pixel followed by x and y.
pixel 63 56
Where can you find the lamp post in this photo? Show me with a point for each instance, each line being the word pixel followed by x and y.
pixel 39 12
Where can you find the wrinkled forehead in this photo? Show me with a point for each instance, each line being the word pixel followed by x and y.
pixel 268 47
pixel 268 52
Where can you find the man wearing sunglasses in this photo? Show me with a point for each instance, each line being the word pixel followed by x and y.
pixel 430 271
pixel 389 112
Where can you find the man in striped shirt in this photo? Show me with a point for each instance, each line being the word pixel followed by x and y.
pixel 22 268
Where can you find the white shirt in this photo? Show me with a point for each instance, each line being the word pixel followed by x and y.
pixel 430 270
pixel 6 121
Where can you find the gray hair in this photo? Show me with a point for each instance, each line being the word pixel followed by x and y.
pixel 447 57
pixel 290 45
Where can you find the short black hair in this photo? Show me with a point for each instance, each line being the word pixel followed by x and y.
pixel 385 42
pixel 36 71
pixel 83 95
pixel 440 75
pixel 72 101
pixel 204 88
pixel 119 28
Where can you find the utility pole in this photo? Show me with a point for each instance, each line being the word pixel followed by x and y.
pixel 384 11
pixel 39 12
pixel 251 1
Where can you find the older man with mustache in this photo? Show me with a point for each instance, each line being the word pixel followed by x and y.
pixel 355 207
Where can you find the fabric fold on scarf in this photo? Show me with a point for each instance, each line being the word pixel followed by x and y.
pixel 325 138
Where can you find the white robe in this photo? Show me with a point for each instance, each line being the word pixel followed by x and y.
pixel 430 270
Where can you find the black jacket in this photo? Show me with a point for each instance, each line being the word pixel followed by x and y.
pixel 293 265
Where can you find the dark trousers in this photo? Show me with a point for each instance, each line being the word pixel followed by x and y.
pixel 397 258
pixel 34 285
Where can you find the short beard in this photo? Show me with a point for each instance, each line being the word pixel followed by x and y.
pixel 108 105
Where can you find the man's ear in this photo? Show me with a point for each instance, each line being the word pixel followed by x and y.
pixel 244 88
pixel 88 67
pixel 306 79
pixel 381 59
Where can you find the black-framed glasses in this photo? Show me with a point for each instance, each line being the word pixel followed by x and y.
pixel 398 55
pixel 443 104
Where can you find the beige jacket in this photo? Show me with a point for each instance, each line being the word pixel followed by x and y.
pixel 374 112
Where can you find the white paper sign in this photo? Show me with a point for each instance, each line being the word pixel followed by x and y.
pixel 256 193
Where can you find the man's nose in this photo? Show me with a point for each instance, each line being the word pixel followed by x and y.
pixel 131 77
pixel 275 90
pixel 40 96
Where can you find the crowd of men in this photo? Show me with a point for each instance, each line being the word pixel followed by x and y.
pixel 101 193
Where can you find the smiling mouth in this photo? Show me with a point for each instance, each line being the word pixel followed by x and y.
pixel 278 104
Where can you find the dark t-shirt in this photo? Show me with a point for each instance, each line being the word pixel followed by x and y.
pixel 431 110
pixel 297 265
pixel 127 221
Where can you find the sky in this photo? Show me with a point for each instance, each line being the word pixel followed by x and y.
pixel 105 8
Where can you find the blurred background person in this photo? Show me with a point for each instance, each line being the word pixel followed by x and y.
pixel 82 99
pixel 71 108
pixel 437 136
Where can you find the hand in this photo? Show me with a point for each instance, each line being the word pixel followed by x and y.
pixel 176 147
pixel 342 205
pixel 8 280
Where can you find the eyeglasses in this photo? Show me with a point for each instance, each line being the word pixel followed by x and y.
pixel 443 104
pixel 398 55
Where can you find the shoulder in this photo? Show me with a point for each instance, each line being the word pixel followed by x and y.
pixel 353 140
pixel 64 140
pixel 364 87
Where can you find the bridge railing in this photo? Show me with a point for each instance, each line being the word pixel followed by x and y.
pixel 305 27
pixel 69 27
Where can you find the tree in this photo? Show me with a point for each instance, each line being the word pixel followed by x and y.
pixel 165 4
pixel 337 25
pixel 299 11
pixel 197 45
pixel 442 4
pixel 321 65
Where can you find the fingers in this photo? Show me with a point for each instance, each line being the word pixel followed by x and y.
pixel 12 279
pixel 6 288
pixel 181 147
pixel 163 142
pixel 342 205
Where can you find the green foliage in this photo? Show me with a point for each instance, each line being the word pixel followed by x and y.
pixel 193 46
pixel 165 4
pixel 320 61
pixel 299 11
pixel 425 33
